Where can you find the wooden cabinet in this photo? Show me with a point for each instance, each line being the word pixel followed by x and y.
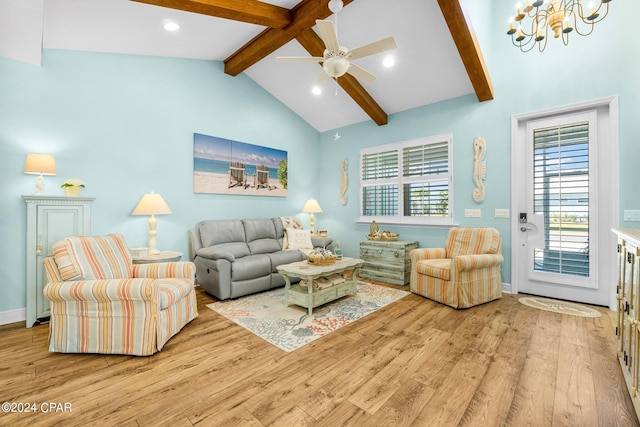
pixel 387 261
pixel 49 219
pixel 628 311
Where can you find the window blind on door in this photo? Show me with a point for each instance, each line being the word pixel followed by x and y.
pixel 561 194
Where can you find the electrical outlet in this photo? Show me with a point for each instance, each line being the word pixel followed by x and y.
pixel 472 213
pixel 502 213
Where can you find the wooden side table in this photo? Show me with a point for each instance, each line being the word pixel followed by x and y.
pixel 166 256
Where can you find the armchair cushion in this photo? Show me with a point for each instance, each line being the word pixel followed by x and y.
pixel 172 291
pixel 472 241
pixel 102 257
pixel 440 268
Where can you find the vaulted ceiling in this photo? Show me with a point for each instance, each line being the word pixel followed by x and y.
pixel 438 56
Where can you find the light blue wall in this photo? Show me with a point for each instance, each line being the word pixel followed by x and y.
pixel 604 64
pixel 124 125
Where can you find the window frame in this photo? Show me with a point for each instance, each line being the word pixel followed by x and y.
pixel 400 181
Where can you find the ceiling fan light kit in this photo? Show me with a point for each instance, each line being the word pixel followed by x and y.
pixel 336 59
pixel 560 17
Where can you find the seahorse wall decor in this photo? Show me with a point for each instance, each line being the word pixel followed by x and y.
pixel 343 184
pixel 479 169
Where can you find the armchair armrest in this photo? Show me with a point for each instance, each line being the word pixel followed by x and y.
pixel 474 262
pixel 427 253
pixel 100 291
pixel 215 254
pixel 164 270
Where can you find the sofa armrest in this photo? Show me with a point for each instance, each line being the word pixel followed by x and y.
pixel 475 262
pixel 321 242
pixel 100 291
pixel 165 270
pixel 427 253
pixel 214 254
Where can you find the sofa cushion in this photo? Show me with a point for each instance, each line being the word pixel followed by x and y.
pixel 284 257
pixel 250 267
pixel 282 223
pixel 299 239
pixel 261 236
pixel 216 232
pixel 264 246
pixel 98 257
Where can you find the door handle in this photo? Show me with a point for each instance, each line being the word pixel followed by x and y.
pixel 523 229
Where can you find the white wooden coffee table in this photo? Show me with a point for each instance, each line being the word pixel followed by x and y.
pixel 309 297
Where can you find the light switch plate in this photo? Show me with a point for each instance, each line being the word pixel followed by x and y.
pixel 631 215
pixel 472 213
pixel 502 213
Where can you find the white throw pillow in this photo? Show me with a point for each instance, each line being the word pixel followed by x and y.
pixel 299 239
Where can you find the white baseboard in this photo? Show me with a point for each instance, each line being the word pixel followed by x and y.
pixel 13 316
pixel 506 288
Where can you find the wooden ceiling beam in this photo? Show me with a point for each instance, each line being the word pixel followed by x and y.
pixel 303 16
pixel 465 39
pixel 251 11
pixel 315 46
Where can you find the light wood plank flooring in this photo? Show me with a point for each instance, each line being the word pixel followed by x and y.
pixel 415 362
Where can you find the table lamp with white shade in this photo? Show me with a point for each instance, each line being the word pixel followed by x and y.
pixel 312 207
pixel 40 164
pixel 152 204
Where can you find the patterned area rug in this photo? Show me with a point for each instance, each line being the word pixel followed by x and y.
pixel 562 307
pixel 289 328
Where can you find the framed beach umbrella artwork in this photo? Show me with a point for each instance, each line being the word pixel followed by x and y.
pixel 224 166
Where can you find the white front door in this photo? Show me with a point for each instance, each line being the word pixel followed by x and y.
pixel 565 204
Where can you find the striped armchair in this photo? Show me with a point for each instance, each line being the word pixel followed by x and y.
pixel 466 272
pixel 103 303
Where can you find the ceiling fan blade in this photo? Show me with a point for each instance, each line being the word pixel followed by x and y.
pixel 373 48
pixel 328 34
pixel 361 74
pixel 320 79
pixel 299 59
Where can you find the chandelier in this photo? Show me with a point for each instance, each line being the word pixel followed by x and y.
pixel 559 17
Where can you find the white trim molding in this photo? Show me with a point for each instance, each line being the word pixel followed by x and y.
pixel 13 316
pixel 506 288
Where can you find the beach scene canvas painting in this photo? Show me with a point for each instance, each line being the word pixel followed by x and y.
pixel 224 166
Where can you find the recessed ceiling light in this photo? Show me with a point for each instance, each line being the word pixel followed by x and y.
pixel 171 26
pixel 316 90
pixel 389 61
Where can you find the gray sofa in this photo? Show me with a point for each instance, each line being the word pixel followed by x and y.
pixel 239 257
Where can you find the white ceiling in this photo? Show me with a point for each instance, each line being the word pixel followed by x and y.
pixel 428 67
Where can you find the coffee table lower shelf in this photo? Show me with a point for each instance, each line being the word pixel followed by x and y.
pixel 299 295
pixel 306 296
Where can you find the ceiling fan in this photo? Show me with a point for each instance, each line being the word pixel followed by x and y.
pixel 336 60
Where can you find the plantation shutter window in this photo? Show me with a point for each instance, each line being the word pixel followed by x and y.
pixel 408 182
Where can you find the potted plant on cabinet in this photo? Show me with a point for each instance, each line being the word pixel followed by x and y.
pixel 72 186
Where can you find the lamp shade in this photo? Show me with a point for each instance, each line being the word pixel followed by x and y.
pixel 311 206
pixel 40 164
pixel 151 204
